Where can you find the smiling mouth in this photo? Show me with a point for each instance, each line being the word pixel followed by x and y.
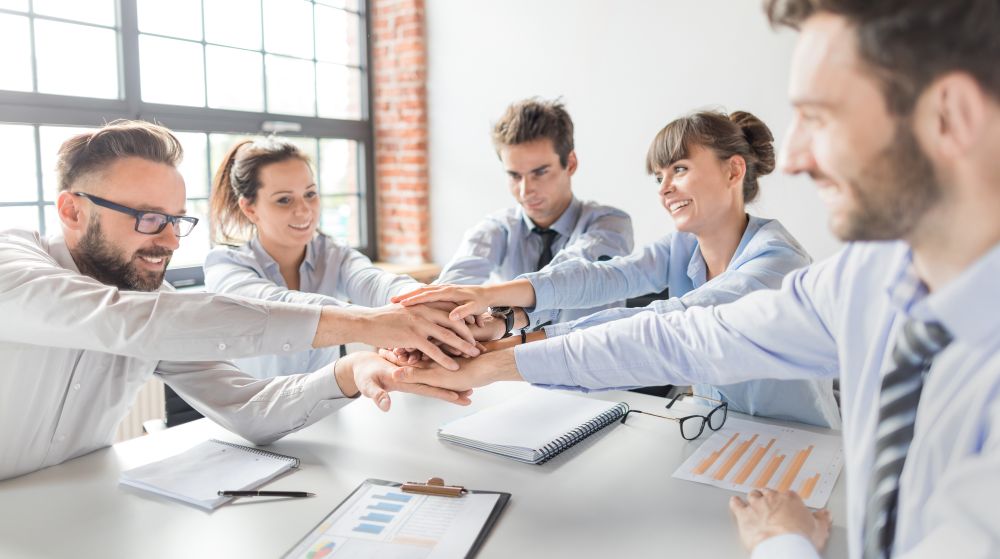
pixel 154 260
pixel 303 227
pixel 677 206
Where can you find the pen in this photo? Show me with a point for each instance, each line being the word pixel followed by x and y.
pixel 265 494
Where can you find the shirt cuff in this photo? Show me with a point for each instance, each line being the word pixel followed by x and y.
pixel 290 328
pixel 543 362
pixel 323 383
pixel 556 330
pixel 544 289
pixel 785 546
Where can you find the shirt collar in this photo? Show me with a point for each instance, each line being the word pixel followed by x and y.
pixel 566 222
pixel 967 306
pixel 59 251
pixel 697 270
pixel 269 264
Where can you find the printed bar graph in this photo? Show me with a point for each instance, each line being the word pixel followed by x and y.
pixel 807 487
pixel 378 517
pixel 734 457
pixel 754 461
pixel 398 497
pixel 772 467
pixel 793 470
pixel 707 462
pixel 368 529
pixel 388 507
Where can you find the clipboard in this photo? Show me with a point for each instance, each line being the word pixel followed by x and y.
pixel 378 514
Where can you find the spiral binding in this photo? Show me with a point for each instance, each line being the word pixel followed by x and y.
pixel 261 452
pixel 563 442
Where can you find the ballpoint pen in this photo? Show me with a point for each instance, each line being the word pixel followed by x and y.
pixel 265 494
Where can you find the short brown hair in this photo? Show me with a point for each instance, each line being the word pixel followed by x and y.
pixel 535 119
pixel 238 177
pixel 92 151
pixel 909 43
pixel 740 133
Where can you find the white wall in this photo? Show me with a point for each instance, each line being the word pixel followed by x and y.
pixel 624 69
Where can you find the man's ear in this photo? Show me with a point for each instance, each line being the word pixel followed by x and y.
pixel 70 212
pixel 950 116
pixel 571 163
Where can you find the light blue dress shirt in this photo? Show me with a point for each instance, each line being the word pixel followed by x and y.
pixel 840 316
pixel 330 274
pixel 502 247
pixel 766 254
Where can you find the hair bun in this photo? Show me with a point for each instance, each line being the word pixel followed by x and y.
pixel 759 137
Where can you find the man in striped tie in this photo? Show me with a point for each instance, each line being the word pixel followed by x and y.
pixel 897 120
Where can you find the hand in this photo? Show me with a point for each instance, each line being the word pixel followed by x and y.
pixel 371 375
pixel 416 327
pixel 470 300
pixel 483 370
pixel 768 513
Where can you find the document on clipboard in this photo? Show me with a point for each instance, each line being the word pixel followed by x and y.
pixel 379 519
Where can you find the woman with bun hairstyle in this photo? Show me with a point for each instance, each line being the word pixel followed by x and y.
pixel 707 166
pixel 265 206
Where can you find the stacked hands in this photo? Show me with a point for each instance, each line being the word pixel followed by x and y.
pixel 442 327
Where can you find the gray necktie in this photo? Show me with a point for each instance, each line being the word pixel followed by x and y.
pixel 548 237
pixel 916 346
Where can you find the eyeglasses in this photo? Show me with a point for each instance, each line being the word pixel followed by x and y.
pixel 692 426
pixel 147 222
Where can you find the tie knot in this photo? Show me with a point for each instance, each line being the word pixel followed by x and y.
pixel 920 341
pixel 544 233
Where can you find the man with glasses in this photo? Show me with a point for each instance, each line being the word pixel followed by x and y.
pixel 87 319
pixel 897 120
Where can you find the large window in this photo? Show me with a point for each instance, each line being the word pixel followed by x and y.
pixel 214 71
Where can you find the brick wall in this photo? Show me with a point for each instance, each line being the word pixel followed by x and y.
pixel 399 63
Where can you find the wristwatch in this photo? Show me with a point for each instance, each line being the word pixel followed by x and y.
pixel 507 314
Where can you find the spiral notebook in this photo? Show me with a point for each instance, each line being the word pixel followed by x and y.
pixel 533 426
pixel 196 475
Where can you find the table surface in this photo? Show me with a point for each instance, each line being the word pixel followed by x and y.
pixel 610 496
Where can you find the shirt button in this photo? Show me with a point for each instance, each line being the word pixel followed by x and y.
pixel 76 386
pixel 222 347
pixel 286 347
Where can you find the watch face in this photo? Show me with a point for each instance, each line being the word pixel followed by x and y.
pixel 504 311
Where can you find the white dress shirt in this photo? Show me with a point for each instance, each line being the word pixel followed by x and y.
pixel 840 316
pixel 75 352
pixel 330 274
pixel 502 247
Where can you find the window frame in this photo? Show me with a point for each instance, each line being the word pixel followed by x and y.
pixel 45 109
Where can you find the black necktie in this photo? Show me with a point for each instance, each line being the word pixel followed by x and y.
pixel 548 237
pixel 916 346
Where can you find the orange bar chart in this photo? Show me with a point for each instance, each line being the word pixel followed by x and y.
pixel 807 487
pixel 772 467
pixel 707 462
pixel 754 461
pixel 793 470
pixel 734 457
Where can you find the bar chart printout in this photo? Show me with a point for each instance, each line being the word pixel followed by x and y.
pixel 745 455
pixel 380 521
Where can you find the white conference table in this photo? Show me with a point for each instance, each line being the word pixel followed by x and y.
pixel 610 496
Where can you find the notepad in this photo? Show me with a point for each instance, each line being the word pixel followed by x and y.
pixel 196 475
pixel 534 426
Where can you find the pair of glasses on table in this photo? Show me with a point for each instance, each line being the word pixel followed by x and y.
pixel 692 426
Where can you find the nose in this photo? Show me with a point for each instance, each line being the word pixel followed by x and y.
pixel 665 186
pixel 522 187
pixel 796 153
pixel 168 238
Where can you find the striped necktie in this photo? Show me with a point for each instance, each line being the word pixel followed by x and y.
pixel 916 346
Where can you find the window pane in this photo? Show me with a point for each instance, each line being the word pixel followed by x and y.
pixel 306 145
pixel 233 22
pixel 290 86
pixel 20 181
pixel 194 167
pixel 195 246
pixel 347 4
pixel 76 59
pixel 17 5
pixel 338 165
pixel 339 218
pixel 177 18
pixel 53 225
pixel 15 44
pixel 339 91
pixel 235 79
pixel 101 12
pixel 220 145
pixel 288 27
pixel 171 71
pixel 50 139
pixel 337 36
pixel 19 217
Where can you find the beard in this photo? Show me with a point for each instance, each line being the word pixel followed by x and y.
pixel 892 193
pixel 99 259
